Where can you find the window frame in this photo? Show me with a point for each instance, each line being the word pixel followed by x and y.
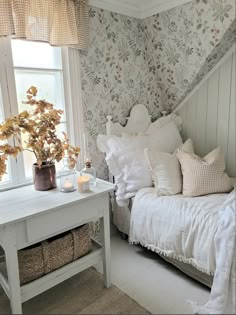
pixel 72 101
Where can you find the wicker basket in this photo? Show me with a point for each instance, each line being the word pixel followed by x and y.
pixel 47 256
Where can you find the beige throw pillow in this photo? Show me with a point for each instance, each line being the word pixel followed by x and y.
pixel 202 176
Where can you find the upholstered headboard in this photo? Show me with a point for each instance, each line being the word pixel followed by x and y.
pixel 139 122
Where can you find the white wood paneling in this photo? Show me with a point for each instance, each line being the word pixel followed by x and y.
pixel 212 111
pixel 231 154
pixel 209 114
pixel 183 113
pixel 200 120
pixel 224 104
pixel 191 117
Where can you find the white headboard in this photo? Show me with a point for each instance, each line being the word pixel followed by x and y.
pixel 139 122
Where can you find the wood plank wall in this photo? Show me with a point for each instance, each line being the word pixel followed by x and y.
pixel 209 115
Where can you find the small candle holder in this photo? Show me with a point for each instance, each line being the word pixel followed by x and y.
pixel 67 186
pixel 67 177
pixel 83 183
pixel 90 171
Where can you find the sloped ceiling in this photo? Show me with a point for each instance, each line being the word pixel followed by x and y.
pixel 184 44
pixel 224 45
pixel 137 8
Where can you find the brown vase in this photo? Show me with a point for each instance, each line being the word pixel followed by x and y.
pixel 44 177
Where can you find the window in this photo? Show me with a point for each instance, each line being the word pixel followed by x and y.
pixel 40 65
pixel 6 177
pixel 23 64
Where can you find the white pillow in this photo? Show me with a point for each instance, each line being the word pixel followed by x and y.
pixel 160 122
pixel 126 160
pixel 165 169
pixel 187 147
pixel 166 173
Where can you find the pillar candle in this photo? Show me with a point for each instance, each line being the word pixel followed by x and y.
pixel 83 184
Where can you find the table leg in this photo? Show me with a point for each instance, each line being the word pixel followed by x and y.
pixel 13 278
pixel 105 227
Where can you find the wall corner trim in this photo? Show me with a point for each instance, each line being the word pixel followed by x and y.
pixel 206 77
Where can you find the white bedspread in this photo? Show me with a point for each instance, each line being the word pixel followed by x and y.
pixel 178 227
pixel 222 298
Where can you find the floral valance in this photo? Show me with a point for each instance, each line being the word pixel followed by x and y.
pixel 57 22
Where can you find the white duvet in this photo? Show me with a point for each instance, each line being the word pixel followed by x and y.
pixel 222 297
pixel 178 227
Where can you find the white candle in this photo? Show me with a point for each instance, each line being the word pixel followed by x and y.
pixel 67 185
pixel 83 183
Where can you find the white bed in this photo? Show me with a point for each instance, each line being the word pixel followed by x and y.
pixel 174 224
pixel 179 229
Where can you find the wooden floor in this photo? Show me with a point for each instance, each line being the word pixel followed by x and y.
pixel 82 294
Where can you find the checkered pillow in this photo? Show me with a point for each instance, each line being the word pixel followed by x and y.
pixel 202 176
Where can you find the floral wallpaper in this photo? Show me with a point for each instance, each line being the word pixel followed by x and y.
pixel 113 75
pixel 184 43
pixel 155 61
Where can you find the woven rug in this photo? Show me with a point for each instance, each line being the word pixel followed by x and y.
pixel 81 294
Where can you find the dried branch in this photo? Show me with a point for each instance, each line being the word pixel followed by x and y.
pixel 39 124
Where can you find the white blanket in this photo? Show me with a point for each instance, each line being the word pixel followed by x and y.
pixel 222 298
pixel 177 227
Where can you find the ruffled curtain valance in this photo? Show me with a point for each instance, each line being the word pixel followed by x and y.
pixel 57 22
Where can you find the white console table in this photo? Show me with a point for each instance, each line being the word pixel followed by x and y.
pixel 28 216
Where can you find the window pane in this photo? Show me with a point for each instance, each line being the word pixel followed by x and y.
pixel 38 64
pixel 49 84
pixel 6 177
pixel 35 55
pixel 1 107
pixel 29 160
pixel 50 88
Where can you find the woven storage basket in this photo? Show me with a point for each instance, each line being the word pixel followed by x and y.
pixel 49 255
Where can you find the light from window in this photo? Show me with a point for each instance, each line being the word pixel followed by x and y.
pixel 1 107
pixel 35 55
pixel 40 65
pixel 6 177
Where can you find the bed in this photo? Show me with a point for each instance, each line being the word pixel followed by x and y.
pixel 177 228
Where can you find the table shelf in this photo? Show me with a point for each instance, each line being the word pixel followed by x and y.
pixel 53 278
pixel 46 282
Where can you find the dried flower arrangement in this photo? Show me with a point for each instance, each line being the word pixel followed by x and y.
pixel 40 125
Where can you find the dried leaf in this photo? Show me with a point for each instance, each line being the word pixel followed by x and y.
pixel 39 124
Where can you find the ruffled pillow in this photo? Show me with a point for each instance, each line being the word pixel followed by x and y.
pixel 126 160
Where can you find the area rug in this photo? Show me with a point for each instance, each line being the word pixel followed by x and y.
pixel 81 294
